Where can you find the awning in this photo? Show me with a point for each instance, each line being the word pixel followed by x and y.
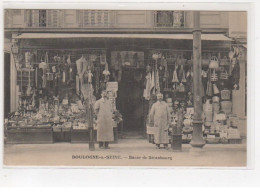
pixel 210 37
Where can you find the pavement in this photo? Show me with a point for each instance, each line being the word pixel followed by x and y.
pixel 128 152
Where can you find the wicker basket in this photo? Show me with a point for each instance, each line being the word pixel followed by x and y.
pixel 151 130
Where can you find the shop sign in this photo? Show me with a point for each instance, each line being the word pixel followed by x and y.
pixel 112 86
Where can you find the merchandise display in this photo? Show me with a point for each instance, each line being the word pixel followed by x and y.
pixel 56 90
pixel 55 93
pixel 218 90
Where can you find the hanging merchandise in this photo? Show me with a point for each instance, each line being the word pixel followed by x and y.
pixel 175 77
pixel 44 69
pixel 183 80
pixel 103 59
pixel 209 91
pixel 153 82
pixel 90 75
pixel 237 52
pixel 118 62
pixel 29 87
pixel 135 60
pixel 175 80
pixel 213 64
pixel 28 58
pixel 81 68
pixel 223 75
pixel 189 75
pixel 214 76
pixel 126 60
pixel 224 61
pixel 236 75
pixel 157 82
pixel 69 60
pixel 106 73
pixel 215 89
pixel 204 74
pixel 148 84
pixel 166 72
pixel 231 54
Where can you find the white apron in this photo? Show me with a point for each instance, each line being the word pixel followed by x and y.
pixel 104 121
pixel 160 115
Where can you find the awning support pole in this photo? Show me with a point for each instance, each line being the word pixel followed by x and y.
pixel 197 136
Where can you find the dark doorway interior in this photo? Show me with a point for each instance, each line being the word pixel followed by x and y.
pixel 130 101
pixel 7 107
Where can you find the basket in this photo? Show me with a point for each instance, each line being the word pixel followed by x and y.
pixel 151 130
pixel 213 64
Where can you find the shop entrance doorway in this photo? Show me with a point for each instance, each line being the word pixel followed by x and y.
pixel 130 101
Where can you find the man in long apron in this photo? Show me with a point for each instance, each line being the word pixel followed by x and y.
pixel 160 116
pixel 103 110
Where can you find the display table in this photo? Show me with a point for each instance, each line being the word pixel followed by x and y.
pixel 29 135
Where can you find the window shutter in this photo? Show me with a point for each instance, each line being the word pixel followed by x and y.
pixel 78 18
pixel 55 22
pixel 35 18
pixel 86 18
pixel 49 18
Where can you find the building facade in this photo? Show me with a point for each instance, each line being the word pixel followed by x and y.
pixel 109 32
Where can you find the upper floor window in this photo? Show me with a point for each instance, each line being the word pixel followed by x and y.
pixel 169 18
pixel 42 18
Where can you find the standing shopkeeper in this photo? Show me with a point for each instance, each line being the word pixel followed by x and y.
pixel 103 110
pixel 160 117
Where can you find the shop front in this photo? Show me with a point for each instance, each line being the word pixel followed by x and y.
pixel 56 76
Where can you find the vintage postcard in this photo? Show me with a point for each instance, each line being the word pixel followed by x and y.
pixel 95 87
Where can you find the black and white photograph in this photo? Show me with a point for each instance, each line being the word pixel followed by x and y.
pixel 102 87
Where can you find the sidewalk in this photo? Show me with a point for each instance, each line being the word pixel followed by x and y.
pixel 128 152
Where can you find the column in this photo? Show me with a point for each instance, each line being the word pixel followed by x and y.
pixel 197 136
